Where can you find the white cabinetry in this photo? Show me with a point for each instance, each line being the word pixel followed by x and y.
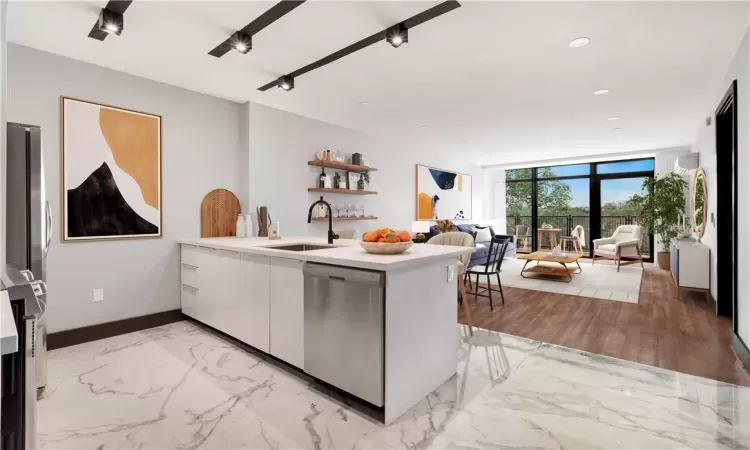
pixel 287 311
pixel 253 305
pixel 253 298
pixel 691 264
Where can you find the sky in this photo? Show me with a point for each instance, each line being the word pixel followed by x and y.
pixel 612 190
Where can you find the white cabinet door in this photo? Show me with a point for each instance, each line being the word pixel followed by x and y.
pixel 287 311
pixel 224 289
pixel 252 311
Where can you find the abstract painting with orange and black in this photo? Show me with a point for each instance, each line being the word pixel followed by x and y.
pixel 111 172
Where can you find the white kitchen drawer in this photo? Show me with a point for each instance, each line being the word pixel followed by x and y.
pixel 190 275
pixel 189 300
pixel 191 255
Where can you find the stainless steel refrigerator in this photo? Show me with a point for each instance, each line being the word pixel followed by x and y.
pixel 28 221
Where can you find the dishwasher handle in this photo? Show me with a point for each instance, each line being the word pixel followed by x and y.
pixel 344 274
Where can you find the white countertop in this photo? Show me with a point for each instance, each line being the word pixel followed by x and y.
pixel 8 332
pixel 347 252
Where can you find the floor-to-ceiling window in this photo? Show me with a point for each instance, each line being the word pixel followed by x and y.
pixel 545 204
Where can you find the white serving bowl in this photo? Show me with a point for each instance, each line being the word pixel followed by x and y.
pixel 384 248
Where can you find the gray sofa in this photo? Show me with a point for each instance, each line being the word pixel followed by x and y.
pixel 479 257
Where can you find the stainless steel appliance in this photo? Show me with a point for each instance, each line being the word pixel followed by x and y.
pixel 19 386
pixel 344 321
pixel 28 220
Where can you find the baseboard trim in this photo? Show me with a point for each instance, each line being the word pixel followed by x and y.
pixel 711 300
pixel 81 335
pixel 743 353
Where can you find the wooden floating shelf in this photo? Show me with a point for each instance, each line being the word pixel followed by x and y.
pixel 342 191
pixel 320 219
pixel 341 166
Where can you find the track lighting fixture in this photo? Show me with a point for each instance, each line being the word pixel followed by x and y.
pixel 286 83
pixel 241 42
pixel 110 22
pixel 397 35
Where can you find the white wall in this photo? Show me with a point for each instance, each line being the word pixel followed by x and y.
pixel 201 150
pixel 705 144
pixel 281 143
pixel 3 108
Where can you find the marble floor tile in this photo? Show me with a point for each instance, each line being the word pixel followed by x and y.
pixel 181 387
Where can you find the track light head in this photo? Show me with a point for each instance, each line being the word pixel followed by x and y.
pixel 241 42
pixel 286 83
pixel 110 22
pixel 397 35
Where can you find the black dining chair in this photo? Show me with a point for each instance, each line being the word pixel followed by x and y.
pixel 492 266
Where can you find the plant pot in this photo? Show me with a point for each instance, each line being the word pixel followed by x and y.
pixel 663 260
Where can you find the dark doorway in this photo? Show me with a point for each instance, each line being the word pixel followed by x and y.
pixel 726 205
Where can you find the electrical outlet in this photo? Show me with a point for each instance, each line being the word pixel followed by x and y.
pixel 451 273
pixel 98 295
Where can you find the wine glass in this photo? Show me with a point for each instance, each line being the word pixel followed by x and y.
pixel 361 210
pixel 352 212
pixel 335 210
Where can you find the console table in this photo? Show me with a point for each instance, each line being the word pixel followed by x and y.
pixel 691 264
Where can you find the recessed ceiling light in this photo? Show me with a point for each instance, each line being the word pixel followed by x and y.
pixel 424 127
pixel 612 119
pixel 364 103
pixel 601 92
pixel 579 42
pixel 286 83
pixel 397 35
pixel 618 129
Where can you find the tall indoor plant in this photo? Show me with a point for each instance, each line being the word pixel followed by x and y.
pixel 660 209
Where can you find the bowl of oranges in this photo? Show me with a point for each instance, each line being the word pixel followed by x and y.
pixel 385 241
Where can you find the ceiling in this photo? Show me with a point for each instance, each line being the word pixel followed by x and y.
pixel 494 80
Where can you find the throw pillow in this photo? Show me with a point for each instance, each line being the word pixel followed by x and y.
pixel 482 235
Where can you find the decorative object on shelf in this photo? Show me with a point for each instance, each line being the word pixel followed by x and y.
pixel 352 180
pixel 275 231
pixel 420 227
pixel 442 194
pixel 337 181
pixel 111 172
pixel 659 210
pixel 357 159
pixel 321 155
pixel 700 202
pixel 322 178
pixel 339 157
pixel 363 181
pixel 445 226
pixel 219 210
pixel 328 154
pixel 240 226
pixel 263 219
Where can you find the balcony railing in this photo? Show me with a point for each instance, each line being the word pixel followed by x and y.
pixel 566 224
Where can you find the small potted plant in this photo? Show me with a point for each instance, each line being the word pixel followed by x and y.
pixel 660 209
pixel 364 179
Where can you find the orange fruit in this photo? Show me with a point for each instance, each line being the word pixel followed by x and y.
pixel 370 236
pixel 404 236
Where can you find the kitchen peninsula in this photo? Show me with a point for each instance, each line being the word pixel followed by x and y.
pixel 380 327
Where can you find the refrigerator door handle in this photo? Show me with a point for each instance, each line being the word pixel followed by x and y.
pixel 49 227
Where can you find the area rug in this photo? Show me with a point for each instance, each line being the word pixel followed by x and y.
pixel 601 281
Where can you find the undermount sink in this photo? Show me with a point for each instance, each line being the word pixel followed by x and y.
pixel 301 247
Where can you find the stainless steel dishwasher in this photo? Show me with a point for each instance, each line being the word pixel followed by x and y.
pixel 344 322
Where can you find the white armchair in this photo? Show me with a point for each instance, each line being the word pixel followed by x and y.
pixel 624 246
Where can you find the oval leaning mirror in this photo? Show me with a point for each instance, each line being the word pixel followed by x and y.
pixel 700 198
